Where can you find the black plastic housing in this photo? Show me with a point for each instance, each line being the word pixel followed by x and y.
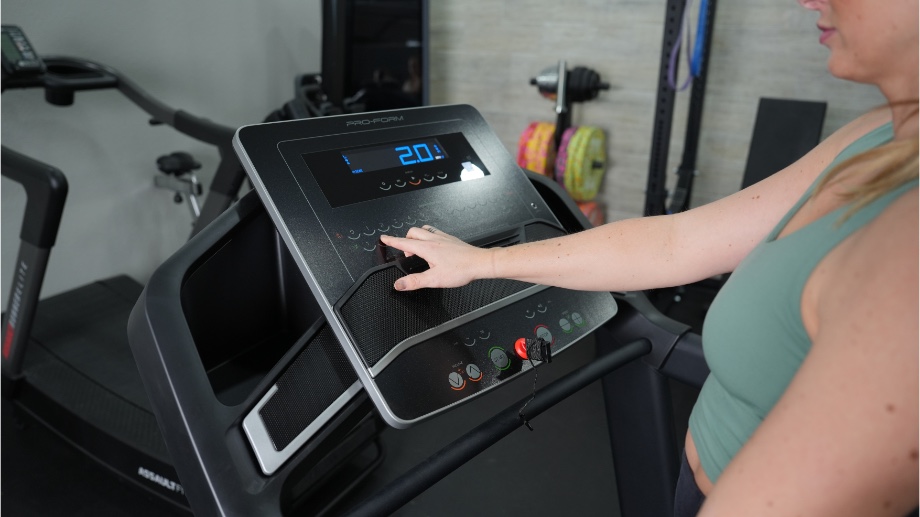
pixel 214 329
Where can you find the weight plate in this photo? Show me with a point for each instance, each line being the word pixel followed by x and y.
pixel 563 154
pixel 594 211
pixel 522 144
pixel 537 152
pixel 586 163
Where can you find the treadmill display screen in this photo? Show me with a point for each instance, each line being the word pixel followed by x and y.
pixel 398 167
pixel 393 155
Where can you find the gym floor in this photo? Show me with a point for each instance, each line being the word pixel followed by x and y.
pixel 563 467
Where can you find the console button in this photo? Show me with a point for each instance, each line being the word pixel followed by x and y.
pixel 566 325
pixel 520 348
pixel 577 319
pixel 456 381
pixel 473 372
pixel 543 332
pixel 499 358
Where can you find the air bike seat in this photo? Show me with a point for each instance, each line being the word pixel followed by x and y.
pixel 273 345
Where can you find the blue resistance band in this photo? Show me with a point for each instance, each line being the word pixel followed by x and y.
pixel 696 63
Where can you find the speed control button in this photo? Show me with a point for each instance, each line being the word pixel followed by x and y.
pixel 456 381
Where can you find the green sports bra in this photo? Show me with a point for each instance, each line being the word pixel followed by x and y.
pixel 754 340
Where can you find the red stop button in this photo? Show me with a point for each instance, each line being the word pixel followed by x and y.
pixel 520 348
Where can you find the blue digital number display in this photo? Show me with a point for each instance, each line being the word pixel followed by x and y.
pixel 388 156
pixel 418 153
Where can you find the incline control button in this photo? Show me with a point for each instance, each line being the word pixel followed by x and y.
pixel 577 319
pixel 456 381
pixel 499 358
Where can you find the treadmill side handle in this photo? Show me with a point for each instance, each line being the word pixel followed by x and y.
pixel 46 192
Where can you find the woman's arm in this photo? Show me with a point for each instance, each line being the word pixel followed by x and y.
pixel 843 439
pixel 638 253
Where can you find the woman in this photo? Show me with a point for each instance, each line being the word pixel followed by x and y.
pixel 816 411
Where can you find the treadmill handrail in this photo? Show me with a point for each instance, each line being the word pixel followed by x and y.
pixel 46 193
pixel 108 77
pixel 90 75
pixel 686 363
pixel 450 457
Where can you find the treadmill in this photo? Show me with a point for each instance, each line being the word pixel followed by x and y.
pixel 307 237
pixel 66 362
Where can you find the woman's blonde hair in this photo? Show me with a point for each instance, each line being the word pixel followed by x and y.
pixel 895 164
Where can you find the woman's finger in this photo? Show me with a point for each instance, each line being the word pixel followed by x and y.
pixel 411 282
pixel 407 246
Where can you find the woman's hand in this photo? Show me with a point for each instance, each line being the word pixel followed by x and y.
pixel 452 262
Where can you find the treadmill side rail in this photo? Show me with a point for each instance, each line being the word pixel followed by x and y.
pixel 46 191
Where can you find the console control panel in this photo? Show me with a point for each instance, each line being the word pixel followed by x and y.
pixel 477 356
pixel 333 185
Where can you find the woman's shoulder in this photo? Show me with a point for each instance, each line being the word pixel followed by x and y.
pixel 880 260
pixel 805 171
pixel 876 119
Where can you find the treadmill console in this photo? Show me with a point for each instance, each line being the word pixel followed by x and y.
pixel 333 185
pixel 19 58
